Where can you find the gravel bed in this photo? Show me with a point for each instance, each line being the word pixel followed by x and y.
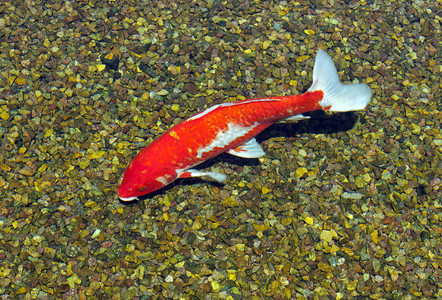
pixel 343 206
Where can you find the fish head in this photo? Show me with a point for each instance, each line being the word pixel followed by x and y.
pixel 138 182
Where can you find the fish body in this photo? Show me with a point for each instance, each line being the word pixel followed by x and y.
pixel 231 127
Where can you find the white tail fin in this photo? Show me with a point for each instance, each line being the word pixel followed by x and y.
pixel 337 96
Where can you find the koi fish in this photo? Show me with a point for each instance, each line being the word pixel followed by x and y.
pixel 231 127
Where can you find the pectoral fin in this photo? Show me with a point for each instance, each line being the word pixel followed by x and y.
pixel 212 175
pixel 250 149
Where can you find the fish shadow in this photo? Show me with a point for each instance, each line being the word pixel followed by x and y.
pixel 318 123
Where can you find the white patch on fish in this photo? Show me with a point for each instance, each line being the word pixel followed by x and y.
pixel 163 180
pixel 225 137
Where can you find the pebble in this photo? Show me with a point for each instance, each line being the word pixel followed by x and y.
pixel 327 235
pixel 355 196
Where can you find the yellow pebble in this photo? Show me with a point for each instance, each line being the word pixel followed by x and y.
pixel 215 286
pixel 416 129
pixel 42 168
pixel 240 247
pixel 308 220
pixel 163 92
pixel 326 236
pixel 334 249
pixel 141 21
pixel 101 67
pixel 96 155
pixel 351 286
pixel 325 267
pixel 4 115
pixel 196 225
pixel 26 171
pixel 259 227
pixel 69 92
pixel 374 236
pixel 5 168
pixel 90 204
pixel 300 172
pixel 49 132
pixel 145 96
pixel 232 276
pixel 309 31
pixel 266 44
pixel 394 274
pixel 302 58
pixel 265 190
pixel 20 80
pixel 46 43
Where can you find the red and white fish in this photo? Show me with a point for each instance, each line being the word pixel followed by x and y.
pixel 231 127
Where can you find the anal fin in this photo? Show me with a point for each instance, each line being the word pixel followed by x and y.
pixel 295 118
pixel 250 149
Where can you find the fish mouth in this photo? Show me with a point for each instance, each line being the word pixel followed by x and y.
pixel 124 195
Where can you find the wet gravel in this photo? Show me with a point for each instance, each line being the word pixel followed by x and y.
pixel 342 206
